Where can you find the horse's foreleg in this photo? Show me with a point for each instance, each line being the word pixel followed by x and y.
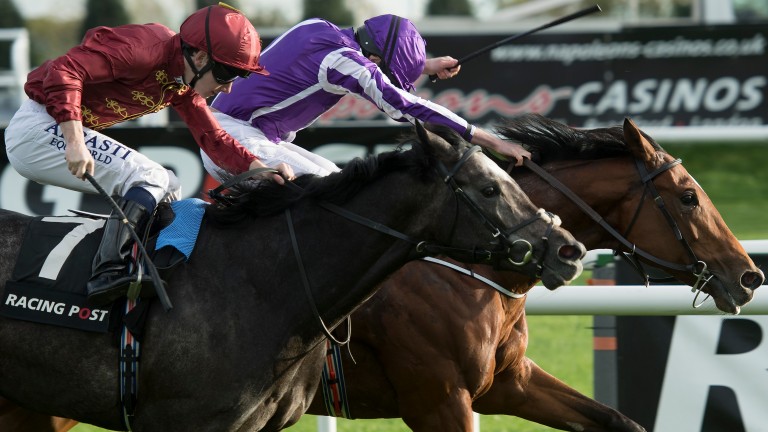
pixel 546 400
pixel 17 419
pixel 451 412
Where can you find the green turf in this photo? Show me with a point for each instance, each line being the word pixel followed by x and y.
pixel 735 177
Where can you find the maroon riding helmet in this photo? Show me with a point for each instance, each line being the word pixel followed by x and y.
pixel 231 41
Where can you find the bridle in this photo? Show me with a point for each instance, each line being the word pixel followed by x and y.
pixel 552 220
pixel 697 267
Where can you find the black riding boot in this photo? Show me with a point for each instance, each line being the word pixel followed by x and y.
pixel 110 277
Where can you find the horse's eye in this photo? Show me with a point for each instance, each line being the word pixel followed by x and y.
pixel 689 199
pixel 490 191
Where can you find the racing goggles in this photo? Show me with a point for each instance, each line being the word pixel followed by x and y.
pixel 225 74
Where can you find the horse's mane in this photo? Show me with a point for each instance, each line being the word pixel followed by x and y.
pixel 268 198
pixel 549 140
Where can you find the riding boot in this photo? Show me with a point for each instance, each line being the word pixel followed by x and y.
pixel 110 277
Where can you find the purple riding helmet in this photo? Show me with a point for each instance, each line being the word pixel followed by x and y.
pixel 399 45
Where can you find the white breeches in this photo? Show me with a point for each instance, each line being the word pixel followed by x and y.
pixel 35 148
pixel 301 160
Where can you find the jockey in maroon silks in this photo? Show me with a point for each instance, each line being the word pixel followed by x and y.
pixel 121 73
pixel 313 65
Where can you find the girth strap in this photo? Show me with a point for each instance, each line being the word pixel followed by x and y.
pixel 129 369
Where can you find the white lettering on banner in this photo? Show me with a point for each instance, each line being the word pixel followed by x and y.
pixel 693 366
pixel 341 153
pixel 62 199
pixel 600 50
pixel 652 95
pixel 12 187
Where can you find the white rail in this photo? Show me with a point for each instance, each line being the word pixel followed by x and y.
pixel 655 300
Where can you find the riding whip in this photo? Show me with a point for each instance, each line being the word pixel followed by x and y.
pixel 571 17
pixel 165 301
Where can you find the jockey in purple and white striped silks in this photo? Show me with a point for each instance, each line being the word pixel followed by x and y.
pixel 312 66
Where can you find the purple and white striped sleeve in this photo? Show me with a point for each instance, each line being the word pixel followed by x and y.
pixel 346 71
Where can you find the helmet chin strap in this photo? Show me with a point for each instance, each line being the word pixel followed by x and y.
pixel 188 55
pixel 198 72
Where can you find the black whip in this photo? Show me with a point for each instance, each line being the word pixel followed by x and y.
pixel 571 17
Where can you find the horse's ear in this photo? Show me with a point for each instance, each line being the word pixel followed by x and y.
pixel 422 133
pixel 431 141
pixel 637 144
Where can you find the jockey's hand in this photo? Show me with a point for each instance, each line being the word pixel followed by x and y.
pixel 79 159
pixel 514 150
pixel 284 171
pixel 505 148
pixel 444 67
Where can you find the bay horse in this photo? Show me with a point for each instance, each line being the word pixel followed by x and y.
pixel 434 344
pixel 242 349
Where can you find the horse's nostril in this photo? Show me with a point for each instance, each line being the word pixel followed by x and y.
pixel 752 280
pixel 570 252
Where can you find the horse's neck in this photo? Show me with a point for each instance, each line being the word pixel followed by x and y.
pixel 356 259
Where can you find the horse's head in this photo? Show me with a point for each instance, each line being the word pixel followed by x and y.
pixel 492 206
pixel 647 205
pixel 712 258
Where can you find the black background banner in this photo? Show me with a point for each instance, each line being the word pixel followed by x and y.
pixel 659 76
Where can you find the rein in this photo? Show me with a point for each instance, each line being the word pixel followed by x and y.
pixel 703 275
pixel 473 274
pixel 495 230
